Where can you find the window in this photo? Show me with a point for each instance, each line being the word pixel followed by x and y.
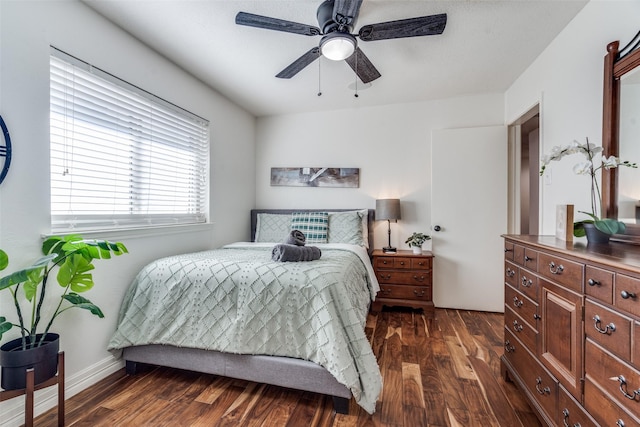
pixel 121 157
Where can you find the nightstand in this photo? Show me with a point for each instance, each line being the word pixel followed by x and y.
pixel 405 279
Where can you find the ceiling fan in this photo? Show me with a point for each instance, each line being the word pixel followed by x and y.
pixel 336 19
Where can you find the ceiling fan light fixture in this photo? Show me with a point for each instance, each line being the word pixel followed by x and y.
pixel 337 46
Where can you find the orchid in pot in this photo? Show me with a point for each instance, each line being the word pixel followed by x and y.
pixel 72 257
pixel 589 166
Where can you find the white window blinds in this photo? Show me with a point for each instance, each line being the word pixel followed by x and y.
pixel 121 157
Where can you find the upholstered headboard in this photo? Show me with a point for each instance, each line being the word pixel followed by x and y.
pixel 254 218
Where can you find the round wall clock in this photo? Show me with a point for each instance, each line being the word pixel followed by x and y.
pixel 5 150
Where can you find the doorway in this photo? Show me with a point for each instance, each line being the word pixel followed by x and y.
pixel 524 179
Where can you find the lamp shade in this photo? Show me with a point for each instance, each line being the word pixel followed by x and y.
pixel 388 209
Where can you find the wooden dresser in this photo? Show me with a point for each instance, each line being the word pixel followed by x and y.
pixel 406 279
pixel 572 329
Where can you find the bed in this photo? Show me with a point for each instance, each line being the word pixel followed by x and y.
pixel 239 297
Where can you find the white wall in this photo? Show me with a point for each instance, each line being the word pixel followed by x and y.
pixel 567 79
pixel 391 145
pixel 27 28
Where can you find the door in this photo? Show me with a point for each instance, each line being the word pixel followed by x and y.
pixel 469 208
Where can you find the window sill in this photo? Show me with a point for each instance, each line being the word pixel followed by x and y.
pixel 135 233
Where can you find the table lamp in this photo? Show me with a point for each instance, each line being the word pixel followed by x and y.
pixel 388 209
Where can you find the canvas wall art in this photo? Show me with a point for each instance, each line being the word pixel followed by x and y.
pixel 316 177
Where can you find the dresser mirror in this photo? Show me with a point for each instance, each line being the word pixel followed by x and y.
pixel 621 134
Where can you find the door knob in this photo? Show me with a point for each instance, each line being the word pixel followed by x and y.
pixel 437 228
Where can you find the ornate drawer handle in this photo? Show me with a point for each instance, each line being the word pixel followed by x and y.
pixel 527 258
pixel 536 316
pixel 419 279
pixel 620 423
pixel 593 282
pixel 517 302
pixel 508 347
pixel 527 283
pixel 565 412
pixel 546 390
pixel 387 277
pixel 627 295
pixel 610 327
pixel 556 269
pixel 386 291
pixel 517 326
pixel 510 272
pixel 421 294
pixel 623 389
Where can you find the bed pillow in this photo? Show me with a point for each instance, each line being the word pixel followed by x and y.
pixel 346 227
pixel 272 227
pixel 314 225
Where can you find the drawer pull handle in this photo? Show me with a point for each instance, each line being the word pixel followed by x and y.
pixel 620 423
pixel 565 412
pixel 387 277
pixel 508 347
pixel 517 326
pixel 419 279
pixel 386 291
pixel 517 302
pixel 527 283
pixel 555 269
pixel 421 294
pixel 593 282
pixel 421 263
pixel 546 390
pixel 508 250
pixel 401 262
pixel 627 295
pixel 510 272
pixel 536 316
pixel 527 258
pixel 385 262
pixel 610 327
pixel 623 389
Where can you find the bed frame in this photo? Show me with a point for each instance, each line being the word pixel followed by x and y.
pixel 281 371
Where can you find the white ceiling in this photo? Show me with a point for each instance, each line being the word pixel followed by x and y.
pixel 486 45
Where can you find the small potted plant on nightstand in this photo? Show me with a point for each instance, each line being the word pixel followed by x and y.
pixel 416 240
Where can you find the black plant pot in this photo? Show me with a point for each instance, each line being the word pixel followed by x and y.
pixel 15 361
pixel 594 235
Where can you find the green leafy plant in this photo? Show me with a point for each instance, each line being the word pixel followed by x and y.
pixel 417 239
pixel 73 257
pixel 590 167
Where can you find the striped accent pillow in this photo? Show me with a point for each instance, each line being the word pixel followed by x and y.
pixel 313 224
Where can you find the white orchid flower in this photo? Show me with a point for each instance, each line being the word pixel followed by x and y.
pixel 582 168
pixel 610 162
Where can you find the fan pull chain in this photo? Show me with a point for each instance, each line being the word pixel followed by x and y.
pixel 356 83
pixel 319 69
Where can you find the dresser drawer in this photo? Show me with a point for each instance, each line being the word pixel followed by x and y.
pixel 404 278
pixel 511 274
pixel 570 413
pixel 520 329
pixel 418 293
pixel 539 383
pixel 561 270
pixel 608 328
pixel 614 376
pixel 518 254
pixel 522 306
pixel 605 411
pixel 627 294
pixel 508 250
pixel 528 284
pixel 394 262
pixel 421 263
pixel 599 284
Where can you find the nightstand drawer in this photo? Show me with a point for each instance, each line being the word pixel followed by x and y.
pixel 421 263
pixel 417 278
pixel 406 292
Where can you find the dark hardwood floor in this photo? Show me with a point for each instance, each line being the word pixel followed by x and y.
pixel 437 372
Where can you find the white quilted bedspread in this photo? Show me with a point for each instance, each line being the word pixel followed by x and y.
pixel 237 300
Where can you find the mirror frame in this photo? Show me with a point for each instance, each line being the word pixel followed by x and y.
pixel 617 63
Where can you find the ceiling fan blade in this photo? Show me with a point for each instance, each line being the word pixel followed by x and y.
pixel 362 66
pixel 412 27
pixel 299 64
pixel 346 11
pixel 259 21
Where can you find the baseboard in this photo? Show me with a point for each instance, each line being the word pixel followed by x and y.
pixel 13 410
